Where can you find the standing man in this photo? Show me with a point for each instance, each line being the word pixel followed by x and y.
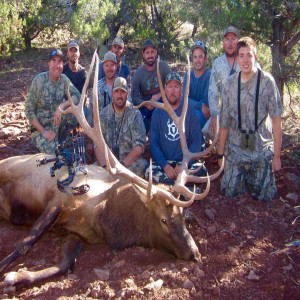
pixel 145 83
pixel 164 136
pixel 45 102
pixel 222 68
pixel 123 130
pixel 72 69
pixel 117 48
pixel 251 128
pixel 199 82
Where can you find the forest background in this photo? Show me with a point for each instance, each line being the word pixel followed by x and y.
pixel 274 24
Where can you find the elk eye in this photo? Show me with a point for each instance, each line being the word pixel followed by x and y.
pixel 164 221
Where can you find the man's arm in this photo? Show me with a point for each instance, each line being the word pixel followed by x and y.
pixel 214 90
pixel 135 89
pixel 277 134
pixel 138 134
pixel 133 155
pixel 154 141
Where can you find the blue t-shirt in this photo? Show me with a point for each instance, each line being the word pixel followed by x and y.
pixel 198 92
pixel 164 135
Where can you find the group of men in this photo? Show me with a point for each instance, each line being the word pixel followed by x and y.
pixel 244 97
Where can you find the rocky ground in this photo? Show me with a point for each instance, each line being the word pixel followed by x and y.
pixel 247 246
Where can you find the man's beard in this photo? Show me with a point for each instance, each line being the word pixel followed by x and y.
pixel 151 63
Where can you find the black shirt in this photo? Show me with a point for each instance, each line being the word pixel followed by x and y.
pixel 77 78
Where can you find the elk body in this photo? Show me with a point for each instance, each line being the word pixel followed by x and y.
pixel 120 208
pixel 111 211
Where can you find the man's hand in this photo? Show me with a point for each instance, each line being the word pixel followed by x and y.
pixel 156 97
pixel 276 164
pixel 213 124
pixel 170 171
pixel 206 111
pixel 49 135
pixel 57 117
pixel 149 106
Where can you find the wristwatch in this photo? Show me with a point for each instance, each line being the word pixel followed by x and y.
pixel 219 156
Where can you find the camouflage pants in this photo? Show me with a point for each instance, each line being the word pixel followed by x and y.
pixel 256 178
pixel 138 167
pixel 61 133
pixel 43 144
pixel 159 176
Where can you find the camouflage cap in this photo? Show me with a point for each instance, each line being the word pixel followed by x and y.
pixel 120 83
pixel 148 43
pixel 173 76
pixel 232 29
pixel 199 44
pixel 118 41
pixel 73 44
pixel 55 52
pixel 110 56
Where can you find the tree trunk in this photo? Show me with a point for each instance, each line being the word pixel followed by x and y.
pixel 277 54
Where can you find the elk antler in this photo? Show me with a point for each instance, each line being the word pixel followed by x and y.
pixel 185 175
pixel 95 134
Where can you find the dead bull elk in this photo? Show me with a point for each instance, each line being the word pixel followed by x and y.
pixel 120 208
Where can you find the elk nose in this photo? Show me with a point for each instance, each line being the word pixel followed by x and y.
pixel 196 257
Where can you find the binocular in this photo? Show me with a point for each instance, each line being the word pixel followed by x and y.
pixel 248 140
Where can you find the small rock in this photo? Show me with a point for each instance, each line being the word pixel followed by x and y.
pixel 211 230
pixel 174 297
pixel 232 226
pixel 145 275
pixel 293 180
pixel 9 131
pixel 292 196
pixel 199 273
pixel 102 274
pixel 72 276
pixel 96 292
pixel 188 284
pixel 288 267
pixel 119 264
pixel 216 290
pixel 130 282
pixel 252 276
pixel 154 286
pixel 210 214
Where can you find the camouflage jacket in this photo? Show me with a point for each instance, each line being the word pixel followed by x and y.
pixel 125 131
pixel 44 97
pixel 104 94
pixel 218 77
pixel 269 106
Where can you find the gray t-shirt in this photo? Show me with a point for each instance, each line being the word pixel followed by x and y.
pixel 145 83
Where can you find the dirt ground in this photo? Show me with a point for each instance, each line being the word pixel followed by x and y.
pixel 244 243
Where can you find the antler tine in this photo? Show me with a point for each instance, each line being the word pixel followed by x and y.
pixel 95 134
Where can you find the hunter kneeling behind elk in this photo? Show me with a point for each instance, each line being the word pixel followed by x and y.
pixel 165 137
pixel 123 129
pixel 46 100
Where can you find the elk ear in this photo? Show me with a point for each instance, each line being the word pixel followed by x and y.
pixel 142 194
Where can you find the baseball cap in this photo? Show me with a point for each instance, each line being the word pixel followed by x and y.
pixel 110 56
pixel 199 44
pixel 118 41
pixel 148 43
pixel 120 83
pixel 73 44
pixel 173 76
pixel 55 52
pixel 233 30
